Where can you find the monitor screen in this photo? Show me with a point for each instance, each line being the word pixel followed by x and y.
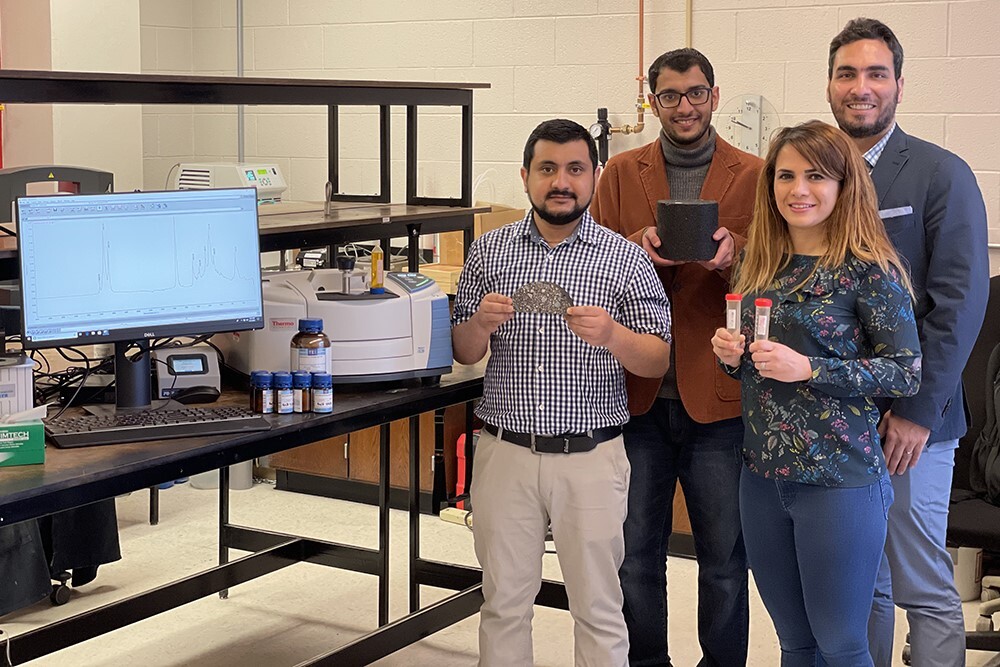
pixel 138 265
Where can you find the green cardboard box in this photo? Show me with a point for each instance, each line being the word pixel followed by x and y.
pixel 22 444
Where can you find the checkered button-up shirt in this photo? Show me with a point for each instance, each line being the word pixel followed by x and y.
pixel 542 378
pixel 872 155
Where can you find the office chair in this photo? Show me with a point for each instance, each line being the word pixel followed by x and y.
pixel 972 522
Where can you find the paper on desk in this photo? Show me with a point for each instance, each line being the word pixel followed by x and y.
pixel 31 415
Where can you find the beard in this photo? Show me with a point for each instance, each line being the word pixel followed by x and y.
pixel 558 219
pixel 679 140
pixel 861 130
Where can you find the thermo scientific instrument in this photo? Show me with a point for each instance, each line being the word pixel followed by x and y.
pixel 400 334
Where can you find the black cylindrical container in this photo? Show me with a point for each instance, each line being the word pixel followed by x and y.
pixel 685 228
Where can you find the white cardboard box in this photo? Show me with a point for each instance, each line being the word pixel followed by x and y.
pixel 17 389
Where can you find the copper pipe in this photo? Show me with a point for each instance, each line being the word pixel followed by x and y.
pixel 642 14
pixel 640 100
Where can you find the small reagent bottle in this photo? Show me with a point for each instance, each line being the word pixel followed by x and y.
pixel 310 348
pixel 322 388
pixel 261 392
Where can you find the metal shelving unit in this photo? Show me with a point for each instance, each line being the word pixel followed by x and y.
pixel 354 216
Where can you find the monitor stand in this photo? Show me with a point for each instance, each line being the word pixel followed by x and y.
pixel 133 387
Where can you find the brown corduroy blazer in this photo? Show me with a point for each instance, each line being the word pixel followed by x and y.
pixel 625 201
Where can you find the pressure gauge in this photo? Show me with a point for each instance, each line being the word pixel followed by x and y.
pixel 747 122
pixel 601 132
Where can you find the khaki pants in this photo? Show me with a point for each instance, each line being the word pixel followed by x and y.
pixel 515 495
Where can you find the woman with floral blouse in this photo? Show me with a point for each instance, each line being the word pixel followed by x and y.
pixel 814 492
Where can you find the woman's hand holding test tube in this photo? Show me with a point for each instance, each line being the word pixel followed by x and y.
pixel 728 343
pixel 771 359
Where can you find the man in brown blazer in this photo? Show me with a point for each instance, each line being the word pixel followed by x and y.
pixel 688 426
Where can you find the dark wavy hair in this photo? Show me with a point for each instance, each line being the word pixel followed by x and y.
pixel 680 60
pixel 862 28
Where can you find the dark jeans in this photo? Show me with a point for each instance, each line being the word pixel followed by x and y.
pixel 815 552
pixel 665 445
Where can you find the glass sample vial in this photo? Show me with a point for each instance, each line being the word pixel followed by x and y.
pixel 733 302
pixel 762 319
pixel 377 274
pixel 283 393
pixel 322 392
pixel 302 391
pixel 261 392
pixel 311 348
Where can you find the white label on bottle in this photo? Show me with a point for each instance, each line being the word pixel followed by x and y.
pixel 268 401
pixel 731 319
pixel 297 400
pixel 285 402
pixel 312 359
pixel 762 327
pixel 323 400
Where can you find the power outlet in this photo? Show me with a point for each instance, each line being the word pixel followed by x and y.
pixel 455 515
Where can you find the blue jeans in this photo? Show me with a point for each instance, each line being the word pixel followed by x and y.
pixel 917 571
pixel 815 554
pixel 663 446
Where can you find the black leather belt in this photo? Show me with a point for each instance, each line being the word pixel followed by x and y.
pixel 570 443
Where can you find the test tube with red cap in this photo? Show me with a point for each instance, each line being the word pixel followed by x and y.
pixel 762 319
pixel 733 302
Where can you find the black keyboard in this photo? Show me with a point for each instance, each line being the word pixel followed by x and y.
pixel 152 424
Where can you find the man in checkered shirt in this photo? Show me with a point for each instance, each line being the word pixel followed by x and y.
pixel 554 400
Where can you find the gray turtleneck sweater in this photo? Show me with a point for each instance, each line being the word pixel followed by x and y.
pixel 687 167
pixel 686 171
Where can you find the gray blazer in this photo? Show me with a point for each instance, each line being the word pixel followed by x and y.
pixel 934 213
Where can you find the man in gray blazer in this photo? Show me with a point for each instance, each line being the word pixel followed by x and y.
pixel 934 213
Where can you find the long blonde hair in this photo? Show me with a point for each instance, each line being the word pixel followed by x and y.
pixel 853 226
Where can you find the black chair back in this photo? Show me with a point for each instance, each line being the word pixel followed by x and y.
pixel 974 382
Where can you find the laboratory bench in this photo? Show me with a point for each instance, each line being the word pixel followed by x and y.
pixel 343 219
pixel 73 477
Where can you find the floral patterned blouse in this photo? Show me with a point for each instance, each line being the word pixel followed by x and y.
pixel 856 325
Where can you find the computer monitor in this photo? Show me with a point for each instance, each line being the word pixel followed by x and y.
pixel 128 267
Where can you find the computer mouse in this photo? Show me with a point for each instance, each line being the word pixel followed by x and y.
pixel 197 394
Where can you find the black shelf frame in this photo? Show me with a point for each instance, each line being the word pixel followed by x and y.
pixel 44 87
pixel 57 87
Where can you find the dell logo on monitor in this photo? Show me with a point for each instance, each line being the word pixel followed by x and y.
pixel 149 334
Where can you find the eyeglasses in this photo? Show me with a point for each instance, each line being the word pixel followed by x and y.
pixel 669 99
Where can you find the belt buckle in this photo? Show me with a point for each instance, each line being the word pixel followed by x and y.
pixel 534 450
pixel 565 447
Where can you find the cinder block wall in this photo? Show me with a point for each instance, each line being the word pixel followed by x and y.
pixel 546 59
pixel 70 35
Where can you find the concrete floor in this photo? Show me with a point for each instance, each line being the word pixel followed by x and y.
pixel 305 610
